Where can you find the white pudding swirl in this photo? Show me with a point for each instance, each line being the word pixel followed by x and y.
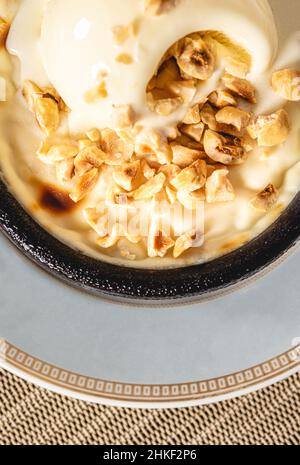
pixel 69 42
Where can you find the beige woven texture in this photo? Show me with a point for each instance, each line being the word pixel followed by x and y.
pixel 31 415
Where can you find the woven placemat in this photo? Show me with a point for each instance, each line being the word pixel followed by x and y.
pixel 31 415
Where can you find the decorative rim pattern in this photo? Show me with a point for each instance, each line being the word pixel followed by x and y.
pixel 160 393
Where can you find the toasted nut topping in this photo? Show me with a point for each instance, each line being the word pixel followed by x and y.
pixel 240 87
pixel 110 239
pixel 30 93
pixel 214 167
pixel 222 98
pixel 97 93
pixel 233 117
pixel 286 83
pixel 236 67
pixel 88 158
pixel 4 28
pixel 147 171
pixel 196 59
pixel 94 135
pixel 121 34
pixel 167 73
pixel 150 188
pixel 127 136
pixel 84 143
pixel 123 116
pixel 193 115
pixel 185 242
pixel 247 142
pixel 159 7
pixel 158 242
pixel 184 157
pixel 125 58
pixel 186 141
pixel 126 175
pixel 65 170
pixel 186 90
pixel 191 200
pixel 135 26
pixel 115 195
pixel 51 92
pixel 266 199
pixel 223 149
pixel 208 116
pixel 171 194
pixel 218 187
pixel 170 171
pixel 85 184
pixel 117 151
pixel 191 178
pixel 56 153
pixel 47 114
pixel 163 106
pixel 270 130
pixel 151 141
pixel 97 221
pixel 195 131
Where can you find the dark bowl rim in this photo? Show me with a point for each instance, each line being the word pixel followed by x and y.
pixel 143 285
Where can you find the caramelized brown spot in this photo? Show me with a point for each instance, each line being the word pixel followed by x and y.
pixel 55 200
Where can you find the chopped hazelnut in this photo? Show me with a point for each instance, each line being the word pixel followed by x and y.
pixel 151 141
pixel 4 28
pixel 240 87
pixel 97 93
pixel 150 188
pixel 184 156
pixel 221 99
pixel 286 83
pixel 236 67
pixel 266 199
pixel 195 131
pixel 191 200
pixel 191 178
pixel 223 149
pixel 31 92
pixel 185 242
pixel 158 242
pixel 84 185
pixel 116 150
pixel 50 155
pixel 186 90
pixel 270 130
pixel 193 115
pixel 233 117
pixel 196 59
pixel 110 239
pixel 218 187
pixel 90 157
pixel 163 105
pixel 94 135
pixel 126 175
pixel 65 170
pixel 124 58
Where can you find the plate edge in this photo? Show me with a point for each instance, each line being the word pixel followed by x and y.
pixel 115 393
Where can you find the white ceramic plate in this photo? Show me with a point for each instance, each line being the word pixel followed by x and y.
pixel 79 345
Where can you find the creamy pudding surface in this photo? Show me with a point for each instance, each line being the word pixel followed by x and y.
pixel 149 133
